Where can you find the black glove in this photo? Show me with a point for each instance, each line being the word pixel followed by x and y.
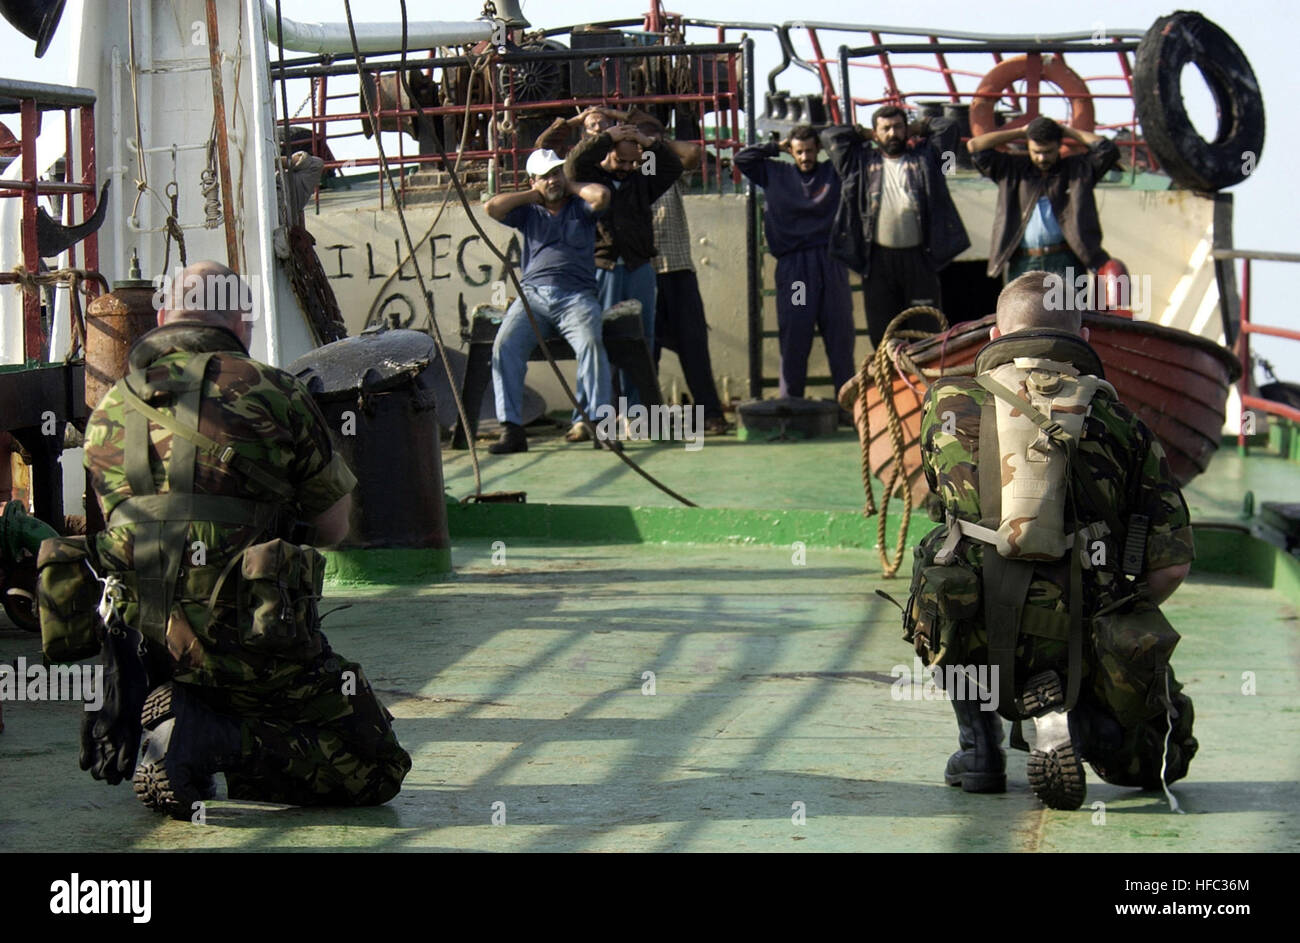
pixel 110 736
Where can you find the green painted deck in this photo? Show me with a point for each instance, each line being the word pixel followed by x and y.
pixel 522 681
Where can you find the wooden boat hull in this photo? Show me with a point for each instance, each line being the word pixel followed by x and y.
pixel 1176 382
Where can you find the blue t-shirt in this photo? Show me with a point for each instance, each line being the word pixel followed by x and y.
pixel 1042 229
pixel 559 248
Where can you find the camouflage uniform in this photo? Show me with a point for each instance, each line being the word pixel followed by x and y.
pixel 313 732
pixel 1128 465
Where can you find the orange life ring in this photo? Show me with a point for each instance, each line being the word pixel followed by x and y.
pixel 1000 77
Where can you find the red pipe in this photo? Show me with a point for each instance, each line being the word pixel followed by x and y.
pixel 1243 347
pixel 32 339
pixel 828 89
pixel 1270 331
pixel 90 246
pixel 1269 406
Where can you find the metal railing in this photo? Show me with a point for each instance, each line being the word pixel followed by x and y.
pixel 1246 328
pixel 1027 102
pixel 716 75
pixel 32 101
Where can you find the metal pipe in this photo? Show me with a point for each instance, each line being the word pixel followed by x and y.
pixel 1264 329
pixel 1270 406
pixel 509 58
pixel 1013 47
pixel 89 174
pixel 119 165
pixel 266 151
pixel 846 96
pixel 223 143
pixel 31 123
pixel 751 237
pixel 1243 346
pixel 1253 254
pixel 45 94
pixel 989 37
pixel 333 38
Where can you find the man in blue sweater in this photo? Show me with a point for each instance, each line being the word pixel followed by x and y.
pixel 812 289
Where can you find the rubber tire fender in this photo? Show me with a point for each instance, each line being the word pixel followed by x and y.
pixel 1000 77
pixel 1172 43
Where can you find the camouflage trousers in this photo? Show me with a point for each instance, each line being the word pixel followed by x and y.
pixel 1121 756
pixel 323 741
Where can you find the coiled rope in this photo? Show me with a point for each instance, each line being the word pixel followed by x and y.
pixel 75 279
pixel 890 359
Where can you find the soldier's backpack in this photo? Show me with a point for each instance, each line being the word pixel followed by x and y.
pixel 277 582
pixel 1029 432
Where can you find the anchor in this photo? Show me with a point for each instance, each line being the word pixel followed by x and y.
pixel 53 237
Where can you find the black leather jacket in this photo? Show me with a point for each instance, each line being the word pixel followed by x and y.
pixel 859 165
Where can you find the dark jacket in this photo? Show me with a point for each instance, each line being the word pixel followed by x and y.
pixel 859 165
pixel 1068 185
pixel 627 229
pixel 798 208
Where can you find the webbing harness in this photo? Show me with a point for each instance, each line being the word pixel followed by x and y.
pixel 162 520
pixel 1006 581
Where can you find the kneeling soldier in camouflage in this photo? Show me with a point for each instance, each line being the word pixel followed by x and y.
pixel 203 461
pixel 1062 517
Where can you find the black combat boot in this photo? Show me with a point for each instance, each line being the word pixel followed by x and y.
pixel 185 742
pixel 1055 766
pixel 981 763
pixel 513 439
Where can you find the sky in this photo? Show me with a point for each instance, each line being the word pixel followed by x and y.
pixel 1266 204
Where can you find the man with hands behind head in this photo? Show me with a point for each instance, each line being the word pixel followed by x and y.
pixel 558 220
pixel 638 170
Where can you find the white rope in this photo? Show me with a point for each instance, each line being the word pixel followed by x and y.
pixel 1164 751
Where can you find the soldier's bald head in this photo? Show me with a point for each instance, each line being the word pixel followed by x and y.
pixel 1034 300
pixel 210 292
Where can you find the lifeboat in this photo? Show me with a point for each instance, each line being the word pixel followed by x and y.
pixel 1176 382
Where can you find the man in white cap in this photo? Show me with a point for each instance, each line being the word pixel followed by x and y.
pixel 558 220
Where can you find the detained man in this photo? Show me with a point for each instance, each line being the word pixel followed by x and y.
pixel 558 220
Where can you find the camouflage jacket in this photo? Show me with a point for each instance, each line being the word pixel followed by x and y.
pixel 1117 450
pixel 268 418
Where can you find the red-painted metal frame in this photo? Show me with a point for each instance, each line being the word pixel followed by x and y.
pixel 1243 351
pixel 29 189
pixel 89 245
pixel 828 88
pixel 722 99
pixel 32 335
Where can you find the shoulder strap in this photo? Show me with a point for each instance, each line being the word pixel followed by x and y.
pixel 1036 415
pixel 162 520
pixel 226 454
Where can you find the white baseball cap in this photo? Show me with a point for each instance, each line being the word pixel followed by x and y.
pixel 542 161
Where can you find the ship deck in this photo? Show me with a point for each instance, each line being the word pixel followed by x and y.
pixel 522 681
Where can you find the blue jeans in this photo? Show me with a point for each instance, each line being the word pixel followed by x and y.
pixel 573 315
pixel 620 284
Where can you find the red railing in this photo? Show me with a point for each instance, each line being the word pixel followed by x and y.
pixel 956 59
pixel 716 97
pixel 885 57
pixel 35 101
pixel 1246 328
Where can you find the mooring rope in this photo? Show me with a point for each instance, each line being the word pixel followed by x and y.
pixel 891 358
